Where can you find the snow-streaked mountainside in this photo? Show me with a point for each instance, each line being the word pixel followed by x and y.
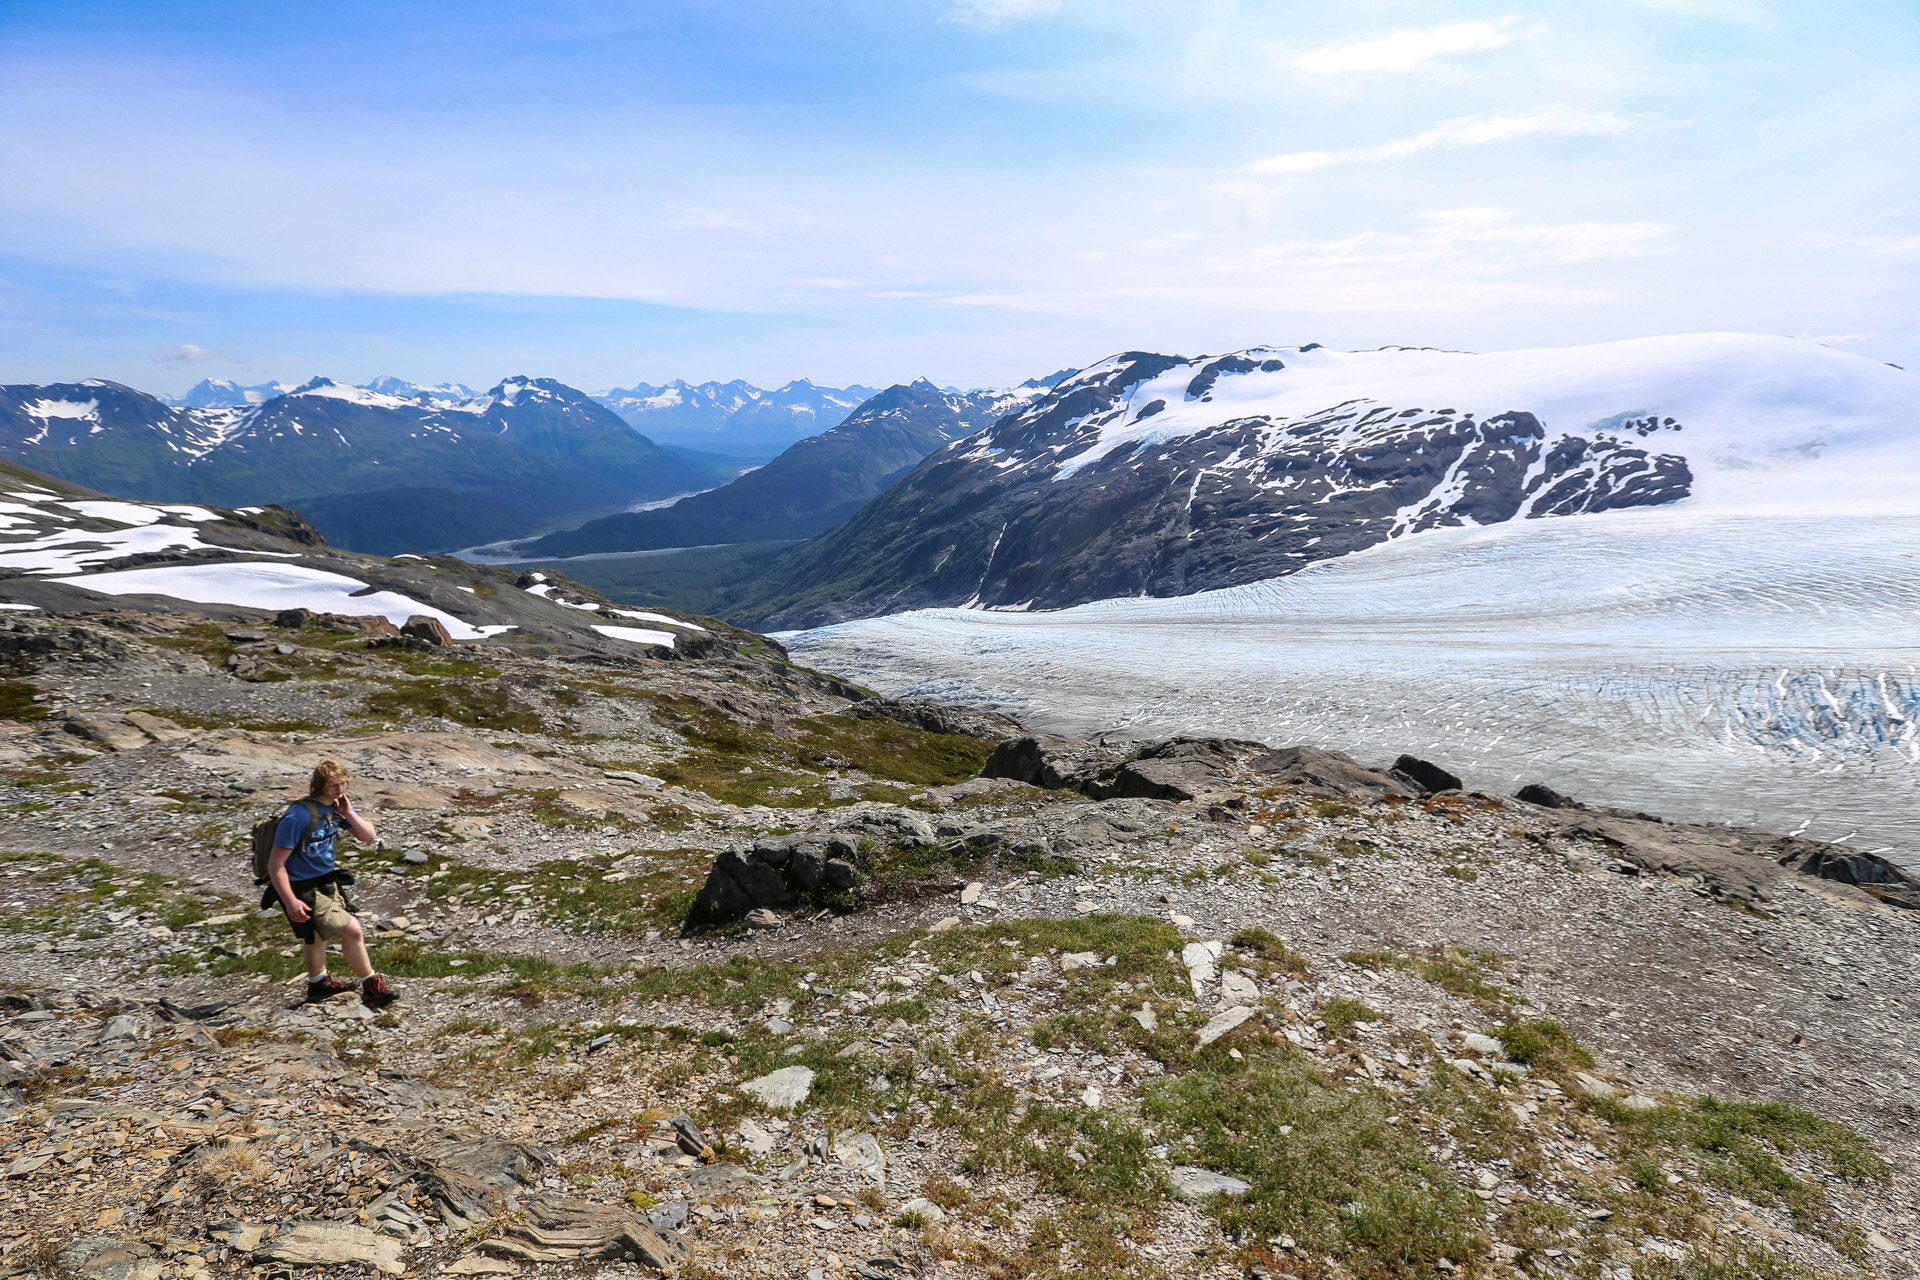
pixel 733 417
pixel 1702 665
pixel 1160 475
pixel 375 470
pixel 1750 416
pixel 68 549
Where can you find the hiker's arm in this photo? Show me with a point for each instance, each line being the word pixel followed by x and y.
pixel 277 877
pixel 357 826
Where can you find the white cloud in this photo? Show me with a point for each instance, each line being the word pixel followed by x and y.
pixel 185 353
pixel 1463 131
pixel 1891 246
pixel 1480 238
pixel 1830 338
pixel 1409 49
pixel 702 218
pixel 995 13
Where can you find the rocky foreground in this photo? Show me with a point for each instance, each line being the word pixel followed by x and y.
pixel 713 966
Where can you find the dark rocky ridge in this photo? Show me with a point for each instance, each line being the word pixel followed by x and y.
pixel 814 868
pixel 1738 863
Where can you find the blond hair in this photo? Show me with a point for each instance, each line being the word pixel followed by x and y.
pixel 326 773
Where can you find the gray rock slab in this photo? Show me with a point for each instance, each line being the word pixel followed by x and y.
pixel 1237 988
pixel 122 1026
pixel 1223 1022
pixel 784 1089
pixel 861 1151
pixel 315 1243
pixel 1192 1183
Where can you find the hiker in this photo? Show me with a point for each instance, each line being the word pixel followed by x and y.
pixel 312 890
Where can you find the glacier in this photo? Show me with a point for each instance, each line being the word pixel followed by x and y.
pixel 1705 664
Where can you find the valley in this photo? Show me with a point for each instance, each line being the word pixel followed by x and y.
pixel 1520 888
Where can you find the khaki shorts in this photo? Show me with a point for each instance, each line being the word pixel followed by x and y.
pixel 330 916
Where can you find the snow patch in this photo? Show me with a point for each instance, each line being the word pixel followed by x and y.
pixel 272 587
pixel 84 411
pixel 636 635
pixel 643 616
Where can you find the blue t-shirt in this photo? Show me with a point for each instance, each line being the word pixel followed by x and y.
pixel 316 859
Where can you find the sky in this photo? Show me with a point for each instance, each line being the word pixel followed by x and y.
pixel 975 191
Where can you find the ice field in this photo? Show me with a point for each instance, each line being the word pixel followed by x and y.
pixel 1748 669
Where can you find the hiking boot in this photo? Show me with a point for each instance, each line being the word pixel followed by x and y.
pixel 326 989
pixel 375 993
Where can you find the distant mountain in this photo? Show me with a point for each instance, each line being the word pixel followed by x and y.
pixel 812 486
pixel 1156 475
pixel 446 393
pixel 392 473
pixel 733 417
pixel 219 393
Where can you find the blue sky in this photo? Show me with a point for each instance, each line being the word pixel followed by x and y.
pixel 970 190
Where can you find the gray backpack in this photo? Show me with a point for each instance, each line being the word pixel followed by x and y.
pixel 263 832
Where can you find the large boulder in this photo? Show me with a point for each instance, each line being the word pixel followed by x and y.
pixel 1333 772
pixel 1039 759
pixel 1737 862
pixel 774 873
pixel 1865 871
pixel 425 627
pixel 1546 797
pixel 1175 769
pixel 1718 856
pixel 1430 778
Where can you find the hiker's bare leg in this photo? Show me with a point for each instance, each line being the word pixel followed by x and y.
pixel 315 954
pixel 353 949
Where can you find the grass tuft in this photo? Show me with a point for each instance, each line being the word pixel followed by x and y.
pixel 1544 1045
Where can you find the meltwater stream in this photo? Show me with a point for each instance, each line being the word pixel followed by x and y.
pixel 1740 669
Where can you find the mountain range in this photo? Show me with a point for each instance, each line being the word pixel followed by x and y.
pixel 813 485
pixel 733 417
pixel 374 470
pixel 1161 475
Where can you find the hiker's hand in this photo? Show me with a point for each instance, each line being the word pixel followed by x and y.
pixel 297 911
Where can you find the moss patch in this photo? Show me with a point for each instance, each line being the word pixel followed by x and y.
pixel 744 762
pixel 483 706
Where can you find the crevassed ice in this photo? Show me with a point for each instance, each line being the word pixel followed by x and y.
pixel 1761 670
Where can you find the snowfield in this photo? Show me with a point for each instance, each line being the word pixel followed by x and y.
pixel 1744 668
pixel 272 587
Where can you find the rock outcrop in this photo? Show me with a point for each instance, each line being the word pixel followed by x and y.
pixel 774 874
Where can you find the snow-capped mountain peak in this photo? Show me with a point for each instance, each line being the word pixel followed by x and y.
pixel 1758 422
pixel 327 388
pixel 1161 475
pixel 222 393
